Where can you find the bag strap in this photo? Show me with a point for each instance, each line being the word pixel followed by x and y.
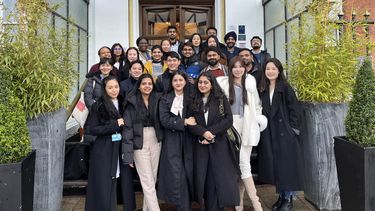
pixel 221 107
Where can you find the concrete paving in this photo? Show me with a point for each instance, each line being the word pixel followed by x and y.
pixel 266 194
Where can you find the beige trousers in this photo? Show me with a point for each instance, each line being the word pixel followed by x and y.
pixel 146 161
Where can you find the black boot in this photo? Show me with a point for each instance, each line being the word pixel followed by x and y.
pixel 286 204
pixel 276 205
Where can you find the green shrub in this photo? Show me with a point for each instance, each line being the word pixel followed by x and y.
pixel 37 58
pixel 360 121
pixel 322 68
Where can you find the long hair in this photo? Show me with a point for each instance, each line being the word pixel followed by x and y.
pixel 135 90
pixel 181 73
pixel 122 56
pixel 216 93
pixel 126 54
pixel 265 82
pixel 107 101
pixel 200 37
pixel 232 95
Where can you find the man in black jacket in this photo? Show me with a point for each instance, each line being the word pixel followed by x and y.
pixel 260 56
pixel 230 50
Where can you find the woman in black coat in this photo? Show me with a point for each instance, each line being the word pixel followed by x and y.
pixel 142 137
pixel 175 183
pixel 135 71
pixel 105 122
pixel 216 172
pixel 279 151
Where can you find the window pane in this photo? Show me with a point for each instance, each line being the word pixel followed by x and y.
pixel 62 10
pixel 158 21
pixel 269 43
pixel 274 13
pixel 280 43
pixel 195 21
pixel 78 12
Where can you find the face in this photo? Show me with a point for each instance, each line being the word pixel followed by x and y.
pixel 246 57
pixel 173 63
pixel 178 83
pixel 230 42
pixel 117 50
pixel 212 58
pixel 211 42
pixel 272 72
pixel 238 70
pixel 143 45
pixel 136 70
pixel 256 43
pixel 196 40
pixel 172 33
pixel 146 86
pixel 156 54
pixel 112 88
pixel 211 32
pixel 105 53
pixel 105 69
pixel 166 46
pixel 204 85
pixel 187 51
pixel 132 55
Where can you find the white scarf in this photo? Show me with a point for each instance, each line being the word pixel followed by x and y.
pixel 178 104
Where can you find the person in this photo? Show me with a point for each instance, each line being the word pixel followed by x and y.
pixel 105 122
pixel 175 183
pixel 103 52
pixel 196 40
pixel 231 50
pixel 212 41
pixel 279 151
pixel 261 56
pixel 216 68
pixel 156 66
pixel 131 55
pixel 190 62
pixel 144 52
pixel 172 36
pixel 136 70
pixel 240 89
pixel 142 137
pixel 162 83
pixel 166 47
pixel 118 56
pixel 212 31
pixel 251 68
pixel 93 89
pixel 216 171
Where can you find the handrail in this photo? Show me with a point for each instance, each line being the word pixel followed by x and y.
pixel 75 100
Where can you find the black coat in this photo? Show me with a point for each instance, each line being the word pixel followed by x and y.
pixel 176 159
pixel 163 82
pixel 93 89
pixel 104 154
pixel 132 136
pixel 279 150
pixel 219 154
pixel 126 86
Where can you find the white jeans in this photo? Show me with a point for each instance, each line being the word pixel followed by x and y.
pixel 147 161
pixel 245 151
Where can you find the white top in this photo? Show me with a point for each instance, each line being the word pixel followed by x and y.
pixel 115 103
pixel 177 105
pixel 271 95
pixel 206 112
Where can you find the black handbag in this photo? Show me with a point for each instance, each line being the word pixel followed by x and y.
pixel 232 134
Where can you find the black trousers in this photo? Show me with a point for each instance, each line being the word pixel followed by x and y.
pixel 211 201
pixel 126 188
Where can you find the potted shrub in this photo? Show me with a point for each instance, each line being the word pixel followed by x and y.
pixel 322 68
pixel 355 153
pixel 39 61
pixel 17 161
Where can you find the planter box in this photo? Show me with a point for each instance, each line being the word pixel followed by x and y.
pixel 320 123
pixel 356 175
pixel 17 184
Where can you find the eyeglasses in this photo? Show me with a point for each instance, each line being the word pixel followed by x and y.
pixel 117 49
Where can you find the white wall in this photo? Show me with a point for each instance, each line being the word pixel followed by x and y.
pixel 248 13
pixel 108 24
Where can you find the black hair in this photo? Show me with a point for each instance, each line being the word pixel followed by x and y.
pixel 105 61
pixel 127 51
pixel 102 48
pixel 187 44
pixel 215 38
pixel 244 49
pixel 200 37
pixel 211 27
pixel 265 82
pixel 135 90
pixel 178 72
pixel 139 40
pixel 107 101
pixel 232 95
pixel 171 27
pixel 256 37
pixel 122 56
pixel 173 55
pixel 136 62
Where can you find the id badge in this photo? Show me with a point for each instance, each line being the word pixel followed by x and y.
pixel 116 137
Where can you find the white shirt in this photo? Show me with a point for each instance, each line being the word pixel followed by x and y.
pixel 178 104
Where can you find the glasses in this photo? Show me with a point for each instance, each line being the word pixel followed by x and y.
pixel 117 49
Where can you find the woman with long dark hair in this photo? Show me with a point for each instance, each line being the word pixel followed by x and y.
pixel 142 137
pixel 240 88
pixel 131 55
pixel 118 56
pixel 216 171
pixel 135 71
pixel 279 153
pixel 105 122
pixel 196 40
pixel 175 183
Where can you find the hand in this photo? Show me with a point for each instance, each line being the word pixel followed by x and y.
pixel 120 122
pixel 131 165
pixel 190 121
pixel 205 142
pixel 191 80
pixel 208 135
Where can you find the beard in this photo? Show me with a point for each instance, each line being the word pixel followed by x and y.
pixel 256 47
pixel 212 62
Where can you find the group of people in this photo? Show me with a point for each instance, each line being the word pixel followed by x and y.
pixel 166 112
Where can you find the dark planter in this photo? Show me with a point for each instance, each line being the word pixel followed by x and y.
pixel 356 175
pixel 320 122
pixel 17 184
